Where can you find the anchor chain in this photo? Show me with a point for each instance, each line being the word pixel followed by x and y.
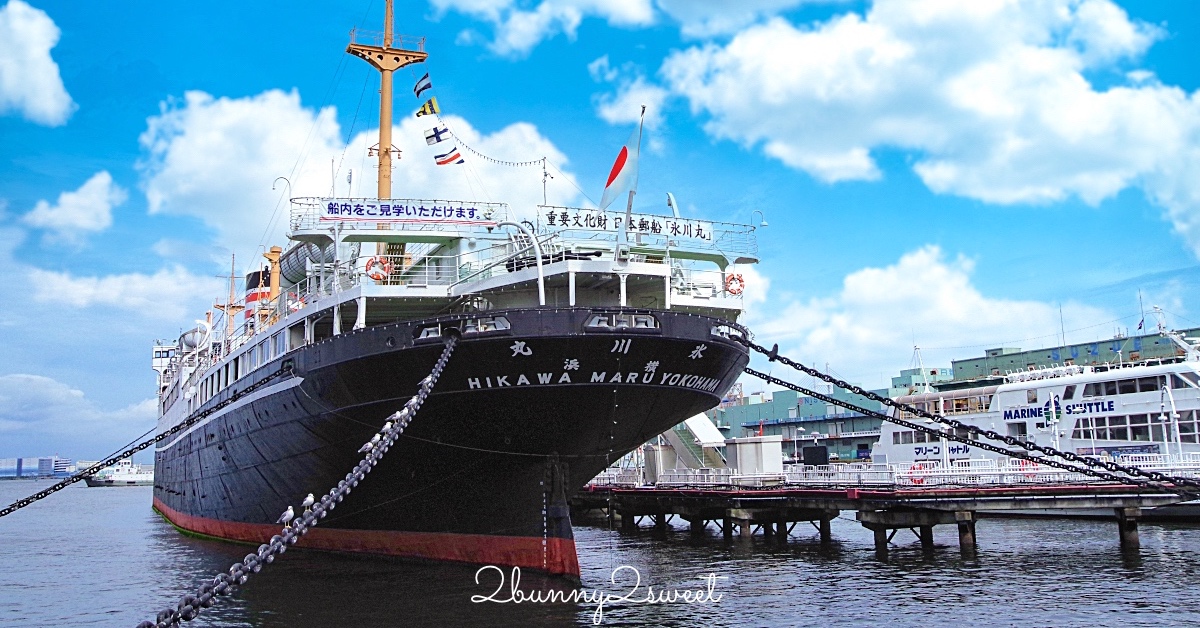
pixel 1091 462
pixel 1104 475
pixel 224 583
pixel 111 460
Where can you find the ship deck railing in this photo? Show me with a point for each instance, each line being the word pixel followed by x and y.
pixel 922 474
pixel 448 276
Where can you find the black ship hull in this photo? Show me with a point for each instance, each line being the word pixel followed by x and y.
pixel 520 419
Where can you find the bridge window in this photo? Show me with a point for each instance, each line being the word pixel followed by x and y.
pixel 895 438
pixel 1069 393
pixel 906 438
pixel 1127 386
pixel 1148 384
pixel 1187 429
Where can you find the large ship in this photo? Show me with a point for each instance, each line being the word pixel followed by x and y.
pixel 582 333
pixel 1144 414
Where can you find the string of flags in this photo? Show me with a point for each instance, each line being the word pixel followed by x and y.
pixel 441 132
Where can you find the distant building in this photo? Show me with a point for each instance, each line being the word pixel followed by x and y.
pixel 49 466
pixel 914 380
pixel 998 362
pixel 805 422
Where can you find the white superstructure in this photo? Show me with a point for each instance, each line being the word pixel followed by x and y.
pixel 1144 412
pixel 124 473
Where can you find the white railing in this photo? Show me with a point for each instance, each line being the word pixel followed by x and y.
pixel 1011 472
pixel 702 477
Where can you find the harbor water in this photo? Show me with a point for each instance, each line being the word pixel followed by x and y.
pixel 101 557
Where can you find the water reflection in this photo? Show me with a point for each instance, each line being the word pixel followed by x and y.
pixel 100 557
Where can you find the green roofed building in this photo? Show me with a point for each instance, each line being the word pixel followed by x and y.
pixel 996 363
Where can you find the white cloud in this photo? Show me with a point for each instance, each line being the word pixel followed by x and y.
pixel 990 97
pixel 86 210
pixel 519 30
pixel 168 294
pixel 40 416
pixel 29 80
pixel 870 326
pixel 215 159
pixel 633 91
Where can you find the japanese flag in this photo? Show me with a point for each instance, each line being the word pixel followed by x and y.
pixel 623 176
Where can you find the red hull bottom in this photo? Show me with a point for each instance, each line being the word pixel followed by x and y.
pixel 559 557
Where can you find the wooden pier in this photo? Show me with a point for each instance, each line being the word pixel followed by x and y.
pixel 775 511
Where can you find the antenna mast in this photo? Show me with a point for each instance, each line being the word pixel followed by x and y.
pixel 386 59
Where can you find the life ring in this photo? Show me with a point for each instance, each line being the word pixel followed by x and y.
pixel 734 284
pixel 913 471
pixel 384 268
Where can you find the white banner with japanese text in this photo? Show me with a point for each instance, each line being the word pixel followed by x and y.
pixel 557 218
pixel 346 210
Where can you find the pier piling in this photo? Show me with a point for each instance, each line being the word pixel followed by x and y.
pixel 966 532
pixel 926 538
pixel 1127 526
pixel 826 532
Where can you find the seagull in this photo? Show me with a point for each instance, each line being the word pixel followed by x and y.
pixel 366 447
pixel 375 438
pixel 308 502
pixel 286 517
pixel 387 426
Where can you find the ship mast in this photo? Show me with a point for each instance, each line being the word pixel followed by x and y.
pixel 386 59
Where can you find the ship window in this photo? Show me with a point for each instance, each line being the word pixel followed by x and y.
pixel 1069 393
pixel 1191 378
pixel 1031 395
pixel 1118 420
pixel 1110 388
pixel 1139 432
pixel 906 438
pixel 1126 386
pixel 1018 429
pixel 1093 390
pixel 1148 384
pixel 1137 419
pixel 919 437
pixel 1118 433
pixel 895 438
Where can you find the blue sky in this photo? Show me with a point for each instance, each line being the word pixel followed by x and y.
pixel 941 174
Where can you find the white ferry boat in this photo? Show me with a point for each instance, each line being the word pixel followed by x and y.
pixel 1141 414
pixel 124 473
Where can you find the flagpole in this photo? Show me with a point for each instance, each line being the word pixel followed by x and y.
pixel 633 187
